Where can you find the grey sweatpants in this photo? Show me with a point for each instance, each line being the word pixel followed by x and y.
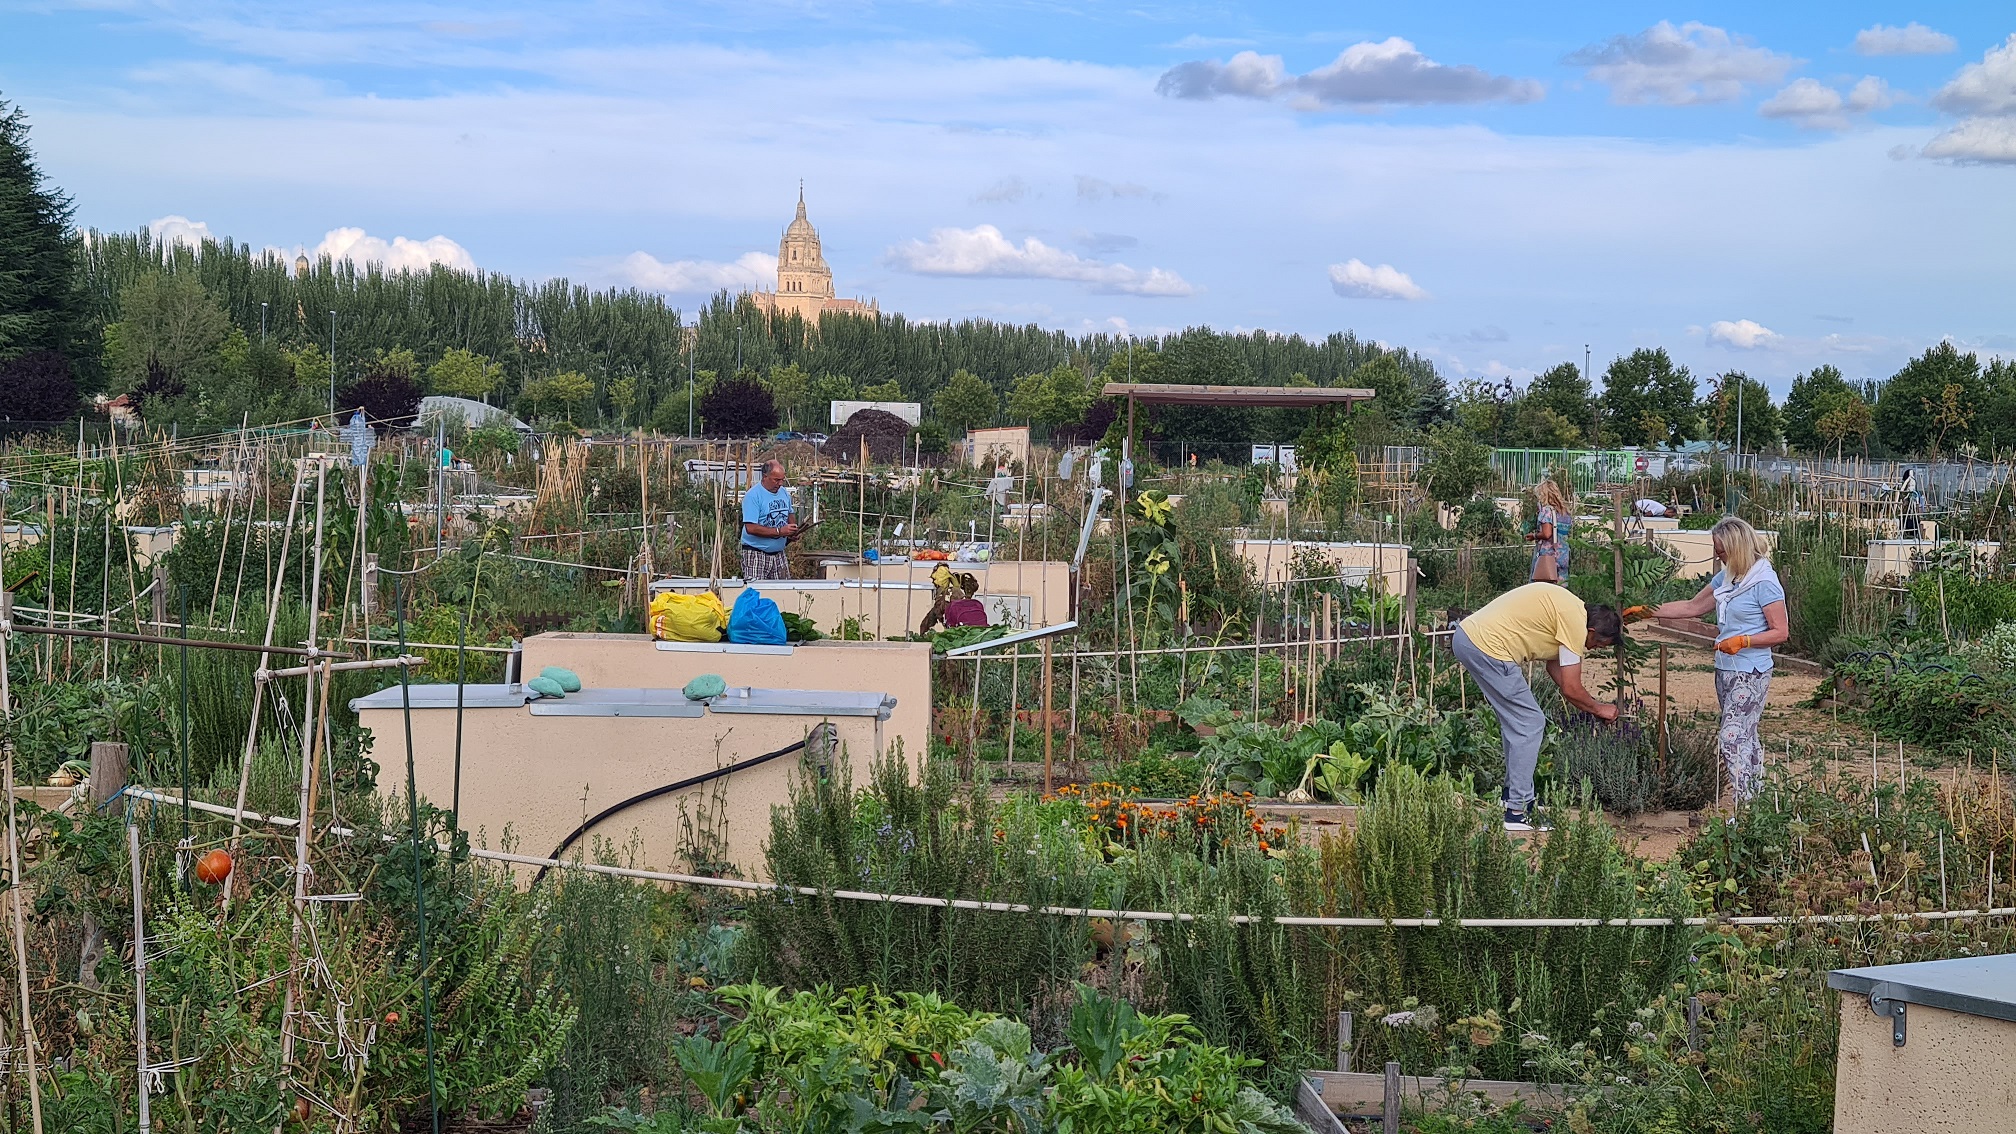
pixel 1520 721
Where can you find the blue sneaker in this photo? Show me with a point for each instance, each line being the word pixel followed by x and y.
pixel 1523 819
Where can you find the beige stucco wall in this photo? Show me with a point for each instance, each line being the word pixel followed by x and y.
pixel 1955 1073
pixel 1897 557
pixel 532 779
pixel 1697 550
pixel 1271 560
pixel 1047 586
pixel 633 661
pixel 1006 444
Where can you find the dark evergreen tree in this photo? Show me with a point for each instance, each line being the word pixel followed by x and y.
pixel 40 306
pixel 388 398
pixel 37 386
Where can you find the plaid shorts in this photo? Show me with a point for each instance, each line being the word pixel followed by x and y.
pixel 760 565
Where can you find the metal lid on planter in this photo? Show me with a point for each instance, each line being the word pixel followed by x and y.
pixel 1977 986
pixel 803 702
pixel 474 696
pixel 618 703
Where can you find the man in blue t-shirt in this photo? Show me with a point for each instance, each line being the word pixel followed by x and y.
pixel 767 526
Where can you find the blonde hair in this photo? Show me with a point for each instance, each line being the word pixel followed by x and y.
pixel 1742 547
pixel 1548 494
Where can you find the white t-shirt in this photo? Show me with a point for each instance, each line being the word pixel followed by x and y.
pixel 1651 508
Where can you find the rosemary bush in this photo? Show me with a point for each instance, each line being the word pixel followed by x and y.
pixel 925 835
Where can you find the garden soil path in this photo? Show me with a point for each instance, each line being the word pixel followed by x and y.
pixel 1690 689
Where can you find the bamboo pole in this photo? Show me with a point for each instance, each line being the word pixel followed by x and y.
pixel 259 688
pixel 139 974
pixel 309 735
pixel 14 865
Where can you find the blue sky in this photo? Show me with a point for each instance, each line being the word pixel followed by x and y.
pixel 1494 185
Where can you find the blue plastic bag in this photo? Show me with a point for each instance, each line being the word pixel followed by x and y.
pixel 755 621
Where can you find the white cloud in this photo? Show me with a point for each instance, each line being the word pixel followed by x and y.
pixel 399 253
pixel 1247 75
pixel 1391 72
pixel 1984 94
pixel 1976 139
pixel 1355 279
pixel 1987 87
pixel 173 229
pixel 1684 66
pixel 751 271
pixel 1743 334
pixel 1813 105
pixel 982 251
pixel 1912 39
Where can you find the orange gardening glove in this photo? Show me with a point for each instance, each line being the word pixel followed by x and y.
pixel 1734 643
pixel 1636 613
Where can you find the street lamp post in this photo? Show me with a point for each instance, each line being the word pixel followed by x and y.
pixel 262 324
pixel 738 350
pixel 692 348
pixel 332 366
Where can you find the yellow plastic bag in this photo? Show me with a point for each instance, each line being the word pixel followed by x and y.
pixel 688 618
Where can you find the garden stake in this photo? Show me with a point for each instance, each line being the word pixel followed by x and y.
pixel 182 850
pixel 1072 755
pixel 14 856
pixel 1942 871
pixel 1048 673
pixel 309 735
pixel 139 979
pixel 419 885
pixel 259 687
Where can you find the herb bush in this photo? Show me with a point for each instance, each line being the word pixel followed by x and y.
pixel 909 834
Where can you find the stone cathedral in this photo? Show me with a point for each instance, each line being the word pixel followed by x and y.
pixel 804 282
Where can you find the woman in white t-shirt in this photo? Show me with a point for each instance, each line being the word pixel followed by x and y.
pixel 1750 618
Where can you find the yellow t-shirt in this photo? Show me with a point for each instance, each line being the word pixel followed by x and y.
pixel 1530 623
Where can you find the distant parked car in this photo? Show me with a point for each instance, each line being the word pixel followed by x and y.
pixel 816 438
pixel 790 435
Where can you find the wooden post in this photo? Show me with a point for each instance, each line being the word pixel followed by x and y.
pixel 1662 706
pixel 109 763
pixel 160 596
pixel 1344 1042
pixel 1617 542
pixel 1389 1109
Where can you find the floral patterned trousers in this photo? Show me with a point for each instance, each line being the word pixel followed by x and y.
pixel 1741 696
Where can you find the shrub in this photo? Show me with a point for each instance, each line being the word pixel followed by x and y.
pixel 740 406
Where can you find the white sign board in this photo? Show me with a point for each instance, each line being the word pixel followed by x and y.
pixel 912 412
pixel 1283 455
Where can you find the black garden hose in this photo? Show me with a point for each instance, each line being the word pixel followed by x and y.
pixel 654 793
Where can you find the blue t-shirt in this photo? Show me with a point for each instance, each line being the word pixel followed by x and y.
pixel 770 509
pixel 1743 613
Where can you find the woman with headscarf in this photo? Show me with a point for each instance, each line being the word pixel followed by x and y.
pixel 1750 618
pixel 1550 533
